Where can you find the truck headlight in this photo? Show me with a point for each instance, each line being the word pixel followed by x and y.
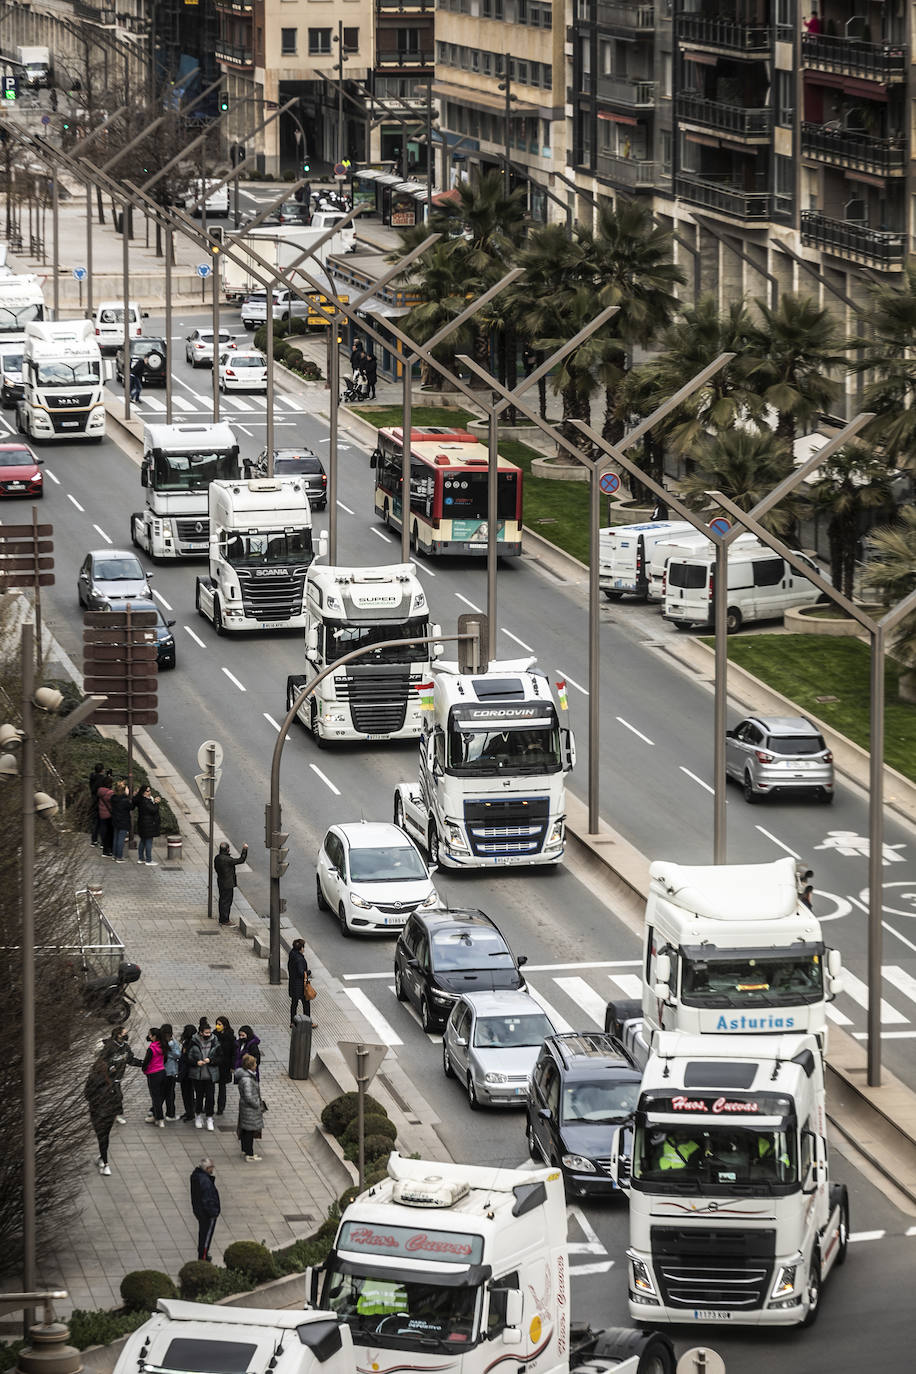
pixel 454 836
pixel 233 611
pixel 784 1284
pixel 97 418
pixel 641 1279
pixel 556 834
pixel 579 1164
pixel 495 1078
pixel 360 902
pixel 334 717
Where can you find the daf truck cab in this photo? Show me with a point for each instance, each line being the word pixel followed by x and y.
pixel 62 382
pixel 376 697
pixel 179 463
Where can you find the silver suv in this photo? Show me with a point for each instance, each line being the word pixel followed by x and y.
pixel 767 753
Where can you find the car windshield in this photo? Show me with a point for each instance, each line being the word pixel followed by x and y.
pixel 524 1031
pixel 386 1312
pixel 701 1156
pixel 342 639
pixel 193 471
pixel 760 980
pixel 394 864
pixel 794 745
pixel 119 570
pixel 68 374
pixel 17 457
pixel 477 752
pixel 295 463
pixel 600 1102
pixel 278 548
pixel 453 950
pixel 14 321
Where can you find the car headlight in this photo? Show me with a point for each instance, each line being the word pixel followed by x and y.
pixel 579 1164
pixel 360 901
pixel 442 996
pixel 431 900
pixel 495 1078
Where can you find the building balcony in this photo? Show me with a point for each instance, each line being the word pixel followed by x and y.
pixel 620 90
pixel 630 172
pixel 234 6
pixel 405 6
pixel 854 242
pixel 233 54
pixel 848 148
pixel 724 34
pixel 614 14
pixel 752 125
pixel 723 196
pixel 386 59
pixel 884 62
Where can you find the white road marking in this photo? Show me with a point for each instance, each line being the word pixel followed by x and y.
pixel 161 599
pixel 836 1017
pixel 346 508
pixel 866 1235
pixel 886 1035
pixel 859 993
pixel 382 536
pixel 575 1270
pixel 422 568
pixel 627 726
pixel 910 1231
pixel 779 844
pixel 154 403
pixel 629 984
pixel 515 639
pixel 382 1027
pixel 584 996
pixel 99 530
pixel 560 1023
pixel 270 721
pixel 696 779
pixel 469 603
pixel 287 401
pixel 246 430
pixel 579 1217
pixel 909 943
pixel 901 980
pixel 196 638
pixel 232 678
pixel 237 404
pixel 324 778
pixel 180 403
pixel 55 480
pixel 590 963
pixel 75 502
pixel 6 425
pixel 572 682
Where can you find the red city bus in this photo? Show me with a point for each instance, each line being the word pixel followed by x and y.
pixel 448 492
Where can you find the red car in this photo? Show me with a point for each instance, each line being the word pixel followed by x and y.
pixel 20 471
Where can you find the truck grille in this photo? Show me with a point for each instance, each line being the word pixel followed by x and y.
pixel 193 530
pixel 272 598
pixel 507 825
pixel 377 696
pixel 69 414
pixel 713 1268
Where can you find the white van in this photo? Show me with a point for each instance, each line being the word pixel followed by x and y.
pixel 761 586
pixel 692 544
pixel 624 552
pixel 217 199
pixel 109 324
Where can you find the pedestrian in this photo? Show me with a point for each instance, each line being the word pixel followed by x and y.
pixel 225 866
pixel 173 1054
pixel 370 372
pixel 246 1042
pixel 203 1057
pixel 297 967
pixel 813 24
pixel 157 1049
pixel 103 1096
pixel 226 1037
pixel 204 1205
pixel 119 806
pixel 104 793
pixel 356 353
pixel 118 1055
pixel 148 824
pixel 136 378
pixel 251 1108
pixel 806 897
pixel 185 1082
pixel 96 778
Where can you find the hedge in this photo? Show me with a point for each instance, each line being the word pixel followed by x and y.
pixel 337 1115
pixel 81 755
pixel 251 1259
pixel 374 1124
pixel 141 1289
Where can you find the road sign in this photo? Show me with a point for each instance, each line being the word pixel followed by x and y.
pixel 609 482
pixel 46 119
pixel 340 170
pixel 80 273
pixel 207 783
pixel 10 87
pixel 720 525
pixel 210 754
pixel 371 1059
pixel 204 269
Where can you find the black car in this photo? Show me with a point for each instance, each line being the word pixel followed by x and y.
pixel 289 212
pixel 165 640
pixel 294 462
pixel 155 355
pixel 442 954
pixel 584 1089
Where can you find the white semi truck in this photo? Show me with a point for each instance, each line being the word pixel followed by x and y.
pixel 280 245
pixel 491 788
pixel 733 1217
pixel 728 950
pixel 260 550
pixel 22 302
pixel 179 463
pixel 62 382
pixel 375 697
pixel 35 63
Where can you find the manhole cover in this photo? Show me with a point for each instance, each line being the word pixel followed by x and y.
pixel 220 966
pixel 298 1216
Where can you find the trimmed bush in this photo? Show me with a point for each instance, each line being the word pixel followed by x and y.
pixel 141 1289
pixel 294 358
pixel 337 1115
pixel 298 325
pixel 81 754
pixel 260 338
pixel 305 1252
pixel 225 1282
pixel 196 1277
pixel 101 1328
pixel 326 1231
pixel 252 1259
pixel 373 1125
pixel 377 1148
pixel 311 371
pixel 281 348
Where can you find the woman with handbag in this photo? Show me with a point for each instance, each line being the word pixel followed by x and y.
pixel 251 1108
pixel 300 981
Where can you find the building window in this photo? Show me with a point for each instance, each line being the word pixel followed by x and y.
pixel 491 9
pixel 319 42
pixel 288 42
pixel 785 184
pixel 667 143
pixel 408 40
pixel 605 58
pixel 785 103
pixel 486 64
pixel 351 40
pixel 666 75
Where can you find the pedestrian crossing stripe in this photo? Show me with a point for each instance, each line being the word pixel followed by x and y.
pixel 253 405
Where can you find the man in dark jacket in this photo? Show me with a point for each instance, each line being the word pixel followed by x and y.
pixel 204 1205
pixel 297 967
pixel 370 372
pixel 224 866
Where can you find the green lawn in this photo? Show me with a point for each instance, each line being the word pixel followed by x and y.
pixel 806 667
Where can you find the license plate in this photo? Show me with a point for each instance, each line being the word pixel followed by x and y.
pixel 711 1314
pixel 376 736
pixel 675 611
pixel 274 624
pixel 503 859
pixel 393 921
pixel 521 1092
pixel 15 486
pixel 618 582
pixel 69 424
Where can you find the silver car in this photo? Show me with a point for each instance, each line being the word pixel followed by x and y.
pixel 491 1043
pixel 768 753
pixel 111 574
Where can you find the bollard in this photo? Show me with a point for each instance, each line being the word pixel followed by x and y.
pixel 173 848
pixel 300 1046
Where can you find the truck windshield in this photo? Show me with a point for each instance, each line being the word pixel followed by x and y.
pixel 193 471
pixel 403 1315
pixel 342 639
pixel 82 373
pixel 476 752
pixel 269 548
pixel 697 1157
pixel 738 980
pixel 13 319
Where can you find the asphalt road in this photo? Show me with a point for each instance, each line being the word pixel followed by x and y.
pixel 656 757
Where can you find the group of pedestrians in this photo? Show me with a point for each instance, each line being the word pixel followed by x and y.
pixel 363 361
pixel 110 805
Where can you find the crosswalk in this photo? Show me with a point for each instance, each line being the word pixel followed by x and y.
pixel 251 403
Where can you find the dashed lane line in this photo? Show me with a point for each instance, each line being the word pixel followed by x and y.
pixel 515 640
pixel 469 603
pixel 779 844
pixel 572 682
pixel 232 678
pixel 161 599
pixel 346 508
pixel 55 480
pixel 76 503
pixel 380 535
pixel 98 529
pixel 694 777
pixel 632 728
pixel 196 637
pixel 270 721
pixel 324 778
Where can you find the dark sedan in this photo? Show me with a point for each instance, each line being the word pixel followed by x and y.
pixel 155 356
pixel 295 462
pixel 165 640
pixel 442 954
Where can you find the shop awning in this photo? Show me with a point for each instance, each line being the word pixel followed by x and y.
pixel 383 310
pixel 618 118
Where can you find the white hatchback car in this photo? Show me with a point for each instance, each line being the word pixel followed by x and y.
pixel 198 346
pixel 243 370
pixel 372 876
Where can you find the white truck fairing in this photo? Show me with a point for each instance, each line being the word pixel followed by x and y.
pixel 179 463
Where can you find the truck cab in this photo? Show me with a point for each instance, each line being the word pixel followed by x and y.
pixel 22 303
pixel 179 463
pixel 62 382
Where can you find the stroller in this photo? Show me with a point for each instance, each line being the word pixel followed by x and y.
pixel 355 389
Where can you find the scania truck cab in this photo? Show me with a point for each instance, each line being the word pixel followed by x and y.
pixel 62 382
pixel 179 463
pixel 376 697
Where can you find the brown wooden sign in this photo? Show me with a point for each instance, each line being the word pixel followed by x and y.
pixel 99 654
pixel 25 531
pixel 25 580
pixel 107 716
pixel 123 701
pixel 115 619
pixel 136 635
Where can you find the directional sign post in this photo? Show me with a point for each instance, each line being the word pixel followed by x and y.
pixel 364 1062
pixel 210 757
pixel 80 274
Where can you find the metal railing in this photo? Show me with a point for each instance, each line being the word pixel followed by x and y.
pixel 871 247
pixel 406 57
pixel 617 14
pixel 234 54
pixel 100 948
pixel 733 119
pixel 730 200
pixel 722 33
pixel 849 148
pixel 626 171
pixel 875 61
pixel 623 91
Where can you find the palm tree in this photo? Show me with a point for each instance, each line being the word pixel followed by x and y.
pixel 892 575
pixel 889 358
pixel 745 464
pixel 850 484
pixel 441 288
pixel 797 346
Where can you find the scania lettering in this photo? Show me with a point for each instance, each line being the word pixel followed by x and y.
pixel 260 551
pixel 491 788
pixel 179 463
pixel 733 1217
pixel 376 697
pixel 62 395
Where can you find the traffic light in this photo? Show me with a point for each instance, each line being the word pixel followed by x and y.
pixel 306 168
pixel 278 853
pixel 223 102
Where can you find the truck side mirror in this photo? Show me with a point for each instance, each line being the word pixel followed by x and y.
pixel 663 968
pixel 430 752
pixel 835 980
pixel 144 474
pixel 311 641
pixel 661 992
pixel 312 1285
pixel 568 750
pixel 373 459
pixel 512 1331
pixel 322 544
pixel 436 650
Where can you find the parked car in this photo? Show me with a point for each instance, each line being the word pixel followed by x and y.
pixel 242 369
pixel 289 212
pixel 109 324
pixel 771 753
pixel 111 574
pixel 198 346
pixel 254 308
pixel 153 352
pixel 20 471
pixel 441 955
pixel 491 1043
pixel 162 630
pixel 584 1088
pixel 11 389
pixel 295 462
pixel 372 876
pixel 761 585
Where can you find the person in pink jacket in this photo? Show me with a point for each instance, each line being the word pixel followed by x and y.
pixel 103 797
pixel 157 1052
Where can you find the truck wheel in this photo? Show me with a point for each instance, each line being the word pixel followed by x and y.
pixel 447 1061
pixel 399 992
pixel 398 811
pixel 314 726
pixel 218 617
pixel 319 895
pixel 432 845
pixel 814 1289
pixel 653 1350
pixel 733 620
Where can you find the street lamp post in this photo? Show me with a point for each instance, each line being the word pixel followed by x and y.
pixel 506 85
